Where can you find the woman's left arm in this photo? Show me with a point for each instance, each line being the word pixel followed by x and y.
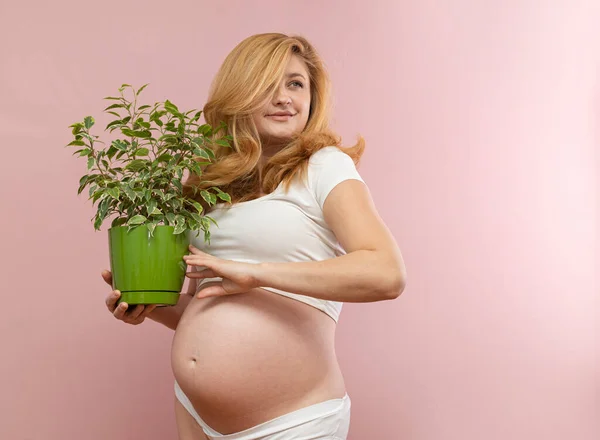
pixel 372 269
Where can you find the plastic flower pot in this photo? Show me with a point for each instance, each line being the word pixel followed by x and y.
pixel 145 269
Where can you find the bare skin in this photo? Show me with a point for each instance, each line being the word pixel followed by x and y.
pixel 244 359
pixel 248 358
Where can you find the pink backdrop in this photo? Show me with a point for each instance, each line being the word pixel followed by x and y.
pixel 481 120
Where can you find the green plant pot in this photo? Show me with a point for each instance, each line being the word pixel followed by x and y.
pixel 148 270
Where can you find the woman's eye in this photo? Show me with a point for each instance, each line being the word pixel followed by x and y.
pixel 298 82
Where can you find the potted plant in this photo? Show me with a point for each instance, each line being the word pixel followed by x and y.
pixel 138 179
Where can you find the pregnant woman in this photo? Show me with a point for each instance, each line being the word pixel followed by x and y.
pixel 253 354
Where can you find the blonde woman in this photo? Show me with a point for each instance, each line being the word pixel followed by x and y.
pixel 253 354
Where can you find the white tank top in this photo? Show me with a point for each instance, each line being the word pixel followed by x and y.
pixel 283 227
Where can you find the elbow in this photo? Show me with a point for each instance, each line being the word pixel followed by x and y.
pixel 396 283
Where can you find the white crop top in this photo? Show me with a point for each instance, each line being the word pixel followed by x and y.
pixel 283 227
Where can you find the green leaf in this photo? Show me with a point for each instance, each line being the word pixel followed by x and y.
pixel 170 217
pixel 130 193
pixel 91 191
pixel 113 192
pixel 212 220
pixel 196 168
pixel 210 152
pixel 83 152
pixel 170 107
pixel 90 163
pixel 141 152
pixel 112 150
pixel 198 206
pixel 164 158
pixel 168 137
pixel 136 220
pixel 76 128
pixel 222 195
pixel 118 221
pixel 151 205
pixel 98 194
pixel 223 143
pixel 88 121
pixel 120 145
pixel 145 134
pixel 82 183
pixel 140 90
pixel 114 98
pixel 144 107
pixel 103 207
pixel 114 123
pixel 201 152
pixel 221 126
pixel 115 106
pixel 151 226
pixel 87 136
pixel 77 143
pixel 97 222
pixel 142 123
pixel 179 225
pixel 205 130
pixel 136 165
pixel 211 199
pixel 115 113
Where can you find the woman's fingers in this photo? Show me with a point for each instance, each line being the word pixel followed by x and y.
pixel 205 273
pixel 111 300
pixel 119 311
pixel 124 312
pixel 107 276
pixel 133 314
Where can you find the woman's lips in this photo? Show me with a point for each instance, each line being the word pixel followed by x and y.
pixel 280 117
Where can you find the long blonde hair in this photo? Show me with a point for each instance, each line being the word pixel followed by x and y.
pixel 249 75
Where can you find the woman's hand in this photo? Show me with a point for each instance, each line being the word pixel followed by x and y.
pixel 237 277
pixel 135 316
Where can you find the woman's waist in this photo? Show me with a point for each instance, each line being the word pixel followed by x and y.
pixel 257 319
pixel 256 336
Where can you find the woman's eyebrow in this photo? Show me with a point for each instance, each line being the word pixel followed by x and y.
pixel 291 75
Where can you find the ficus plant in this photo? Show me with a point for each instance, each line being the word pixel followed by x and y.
pixel 138 177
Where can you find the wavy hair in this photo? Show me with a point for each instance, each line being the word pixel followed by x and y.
pixel 250 75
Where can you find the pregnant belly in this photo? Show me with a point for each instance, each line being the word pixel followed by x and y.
pixel 247 358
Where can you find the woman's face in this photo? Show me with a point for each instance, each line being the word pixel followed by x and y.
pixel 291 97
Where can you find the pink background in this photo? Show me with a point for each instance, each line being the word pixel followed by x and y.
pixel 482 124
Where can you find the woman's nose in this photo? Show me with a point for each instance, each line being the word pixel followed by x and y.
pixel 282 96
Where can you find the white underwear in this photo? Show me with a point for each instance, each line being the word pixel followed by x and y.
pixel 329 420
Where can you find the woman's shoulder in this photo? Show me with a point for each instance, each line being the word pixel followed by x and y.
pixel 324 153
pixel 328 167
pixel 327 157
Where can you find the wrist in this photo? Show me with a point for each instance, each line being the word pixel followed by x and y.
pixel 260 274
